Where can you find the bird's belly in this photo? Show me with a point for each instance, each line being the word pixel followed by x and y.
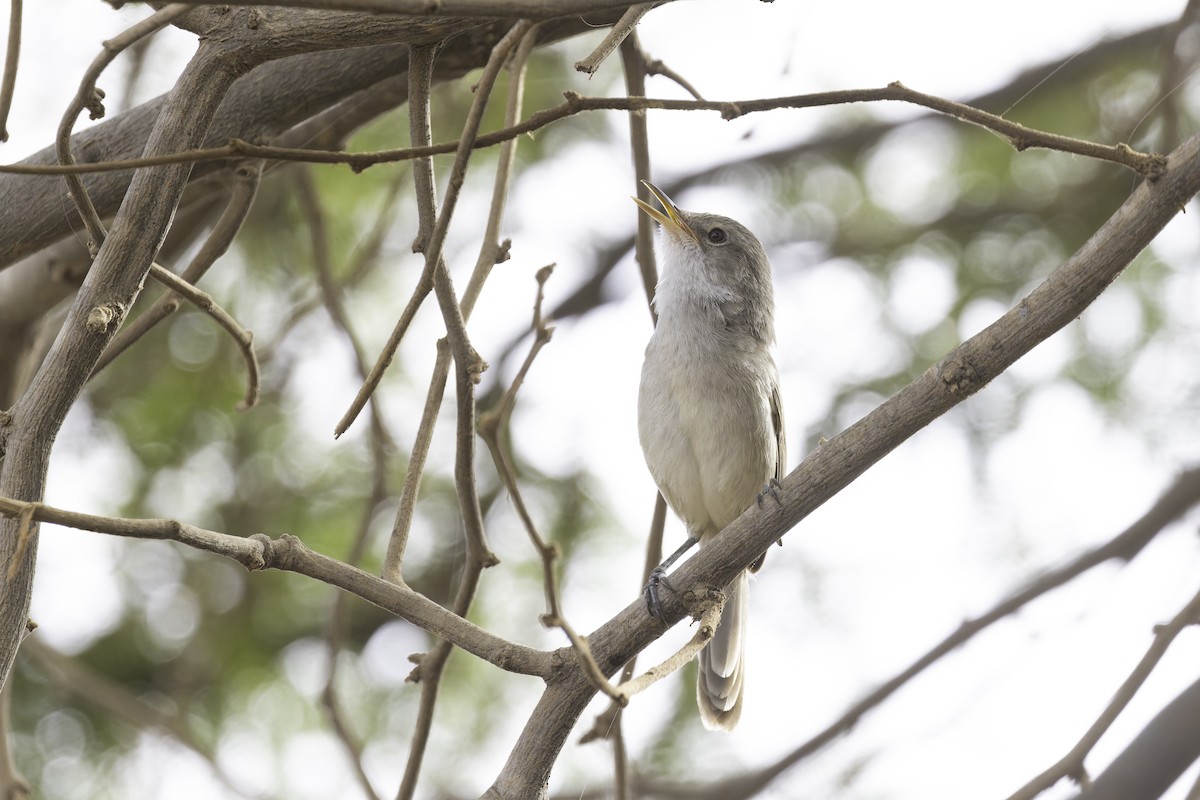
pixel 708 443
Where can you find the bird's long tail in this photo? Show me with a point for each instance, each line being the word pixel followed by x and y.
pixel 723 662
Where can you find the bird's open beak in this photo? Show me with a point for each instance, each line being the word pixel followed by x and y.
pixel 672 220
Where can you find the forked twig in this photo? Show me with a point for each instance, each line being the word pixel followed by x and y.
pixel 491 424
pixel 490 252
pixel 1071 765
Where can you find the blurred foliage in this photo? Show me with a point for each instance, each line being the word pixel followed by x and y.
pixel 200 639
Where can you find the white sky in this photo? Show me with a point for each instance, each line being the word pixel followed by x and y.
pixel 892 564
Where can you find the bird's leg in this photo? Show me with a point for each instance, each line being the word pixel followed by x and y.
pixel 772 488
pixel 658 577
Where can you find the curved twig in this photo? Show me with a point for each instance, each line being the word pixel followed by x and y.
pixel 91 98
pixel 241 199
pixel 203 301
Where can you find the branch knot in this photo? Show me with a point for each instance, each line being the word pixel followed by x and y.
pixel 105 318
pixel 960 375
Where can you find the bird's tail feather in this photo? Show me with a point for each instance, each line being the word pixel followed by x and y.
pixel 723 663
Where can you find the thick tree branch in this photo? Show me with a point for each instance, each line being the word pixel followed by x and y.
pixel 1156 758
pixel 1063 296
pixel 1180 497
pixel 507 9
pixel 270 100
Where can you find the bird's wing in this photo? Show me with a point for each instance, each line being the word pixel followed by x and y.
pixel 780 436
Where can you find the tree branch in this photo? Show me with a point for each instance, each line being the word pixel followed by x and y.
pixel 287 553
pixel 1021 137
pixel 1064 295
pixel 1071 765
pixel 241 198
pixel 1180 497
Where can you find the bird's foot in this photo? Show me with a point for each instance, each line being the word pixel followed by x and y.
pixel 771 488
pixel 658 577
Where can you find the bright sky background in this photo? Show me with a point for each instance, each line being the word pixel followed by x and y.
pixel 890 566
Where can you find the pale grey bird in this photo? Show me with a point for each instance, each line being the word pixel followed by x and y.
pixel 710 418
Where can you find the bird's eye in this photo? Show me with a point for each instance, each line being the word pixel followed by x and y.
pixel 718 236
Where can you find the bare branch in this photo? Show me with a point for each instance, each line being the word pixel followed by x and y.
pixel 491 425
pixel 1071 765
pixel 12 55
pixel 468 364
pixel 1064 294
pixel 657 67
pixel 634 61
pixel 1021 137
pixel 204 302
pixel 615 37
pixel 1181 496
pixel 490 252
pixel 91 98
pixel 504 9
pixel 260 552
pixel 709 620
pixel 218 242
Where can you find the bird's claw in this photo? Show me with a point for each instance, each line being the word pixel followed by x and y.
pixel 658 577
pixel 771 488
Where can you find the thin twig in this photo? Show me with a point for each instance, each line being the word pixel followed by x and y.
pixel 634 61
pixel 1071 765
pixel 1149 165
pixel 704 633
pixel 241 198
pixel 491 425
pixel 242 337
pixel 490 251
pixel 657 67
pixel 468 365
pixel 91 98
pixel 614 38
pixel 12 55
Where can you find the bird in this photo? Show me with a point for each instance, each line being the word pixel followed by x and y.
pixel 710 415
